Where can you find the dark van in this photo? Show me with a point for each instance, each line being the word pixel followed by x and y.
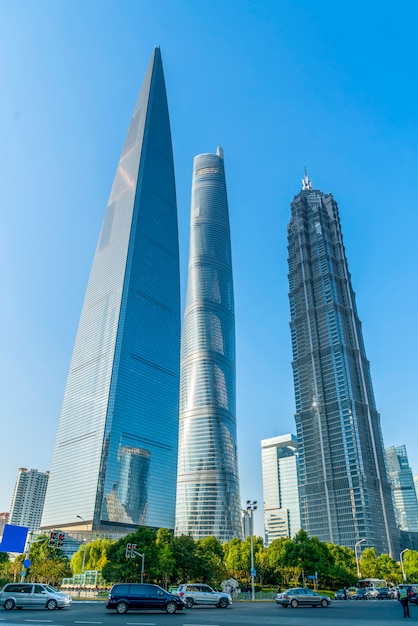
pixel 124 597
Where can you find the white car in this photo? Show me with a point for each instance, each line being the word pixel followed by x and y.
pixel 198 593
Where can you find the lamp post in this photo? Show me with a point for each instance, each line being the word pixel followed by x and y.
pixel 85 545
pixel 251 507
pixel 357 559
pixel 401 560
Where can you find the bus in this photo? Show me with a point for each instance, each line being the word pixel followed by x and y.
pixel 371 583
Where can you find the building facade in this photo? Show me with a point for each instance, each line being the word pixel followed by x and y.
pixel 344 490
pixel 4 518
pixel 279 463
pixel 403 488
pixel 208 501
pixel 28 498
pixel 115 457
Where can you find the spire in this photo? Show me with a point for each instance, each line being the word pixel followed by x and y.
pixel 306 183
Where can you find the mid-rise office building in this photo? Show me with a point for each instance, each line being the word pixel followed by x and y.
pixel 208 501
pixel 28 498
pixel 115 458
pixel 403 488
pixel 4 518
pixel 279 459
pixel 345 495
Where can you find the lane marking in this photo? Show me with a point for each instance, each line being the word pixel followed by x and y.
pixel 87 622
pixel 39 620
pixel 141 623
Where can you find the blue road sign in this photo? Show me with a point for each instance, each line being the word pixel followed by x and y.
pixel 26 563
pixel 253 572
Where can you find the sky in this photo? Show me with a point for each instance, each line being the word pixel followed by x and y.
pixel 280 86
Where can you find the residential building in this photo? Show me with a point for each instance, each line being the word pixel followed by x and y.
pixel 345 495
pixel 4 518
pixel 28 498
pixel 279 462
pixel 115 457
pixel 246 522
pixel 403 488
pixel 208 501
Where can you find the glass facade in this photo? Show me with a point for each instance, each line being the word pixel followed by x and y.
pixel 344 490
pixel 115 456
pixel 403 488
pixel 279 458
pixel 208 500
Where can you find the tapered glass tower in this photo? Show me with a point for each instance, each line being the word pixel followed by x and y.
pixel 115 457
pixel 344 490
pixel 208 500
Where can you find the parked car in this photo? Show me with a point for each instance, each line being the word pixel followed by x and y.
pixel 124 597
pixel 361 594
pixel 197 593
pixel 342 594
pixel 31 595
pixel 393 593
pixel 301 596
pixel 412 591
pixel 383 593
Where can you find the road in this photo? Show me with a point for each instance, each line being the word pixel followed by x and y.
pixel 370 613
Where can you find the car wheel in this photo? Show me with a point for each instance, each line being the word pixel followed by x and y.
pixel 294 603
pixel 9 604
pixel 223 603
pixel 171 607
pixel 324 603
pixel 51 605
pixel 188 603
pixel 121 608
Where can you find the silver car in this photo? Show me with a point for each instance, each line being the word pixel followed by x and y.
pixel 302 596
pixel 198 593
pixel 32 595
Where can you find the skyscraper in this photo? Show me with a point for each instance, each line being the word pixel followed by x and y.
pixel 279 464
pixel 115 456
pixel 403 488
pixel 28 498
pixel 345 494
pixel 208 501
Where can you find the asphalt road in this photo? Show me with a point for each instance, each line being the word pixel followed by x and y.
pixel 367 613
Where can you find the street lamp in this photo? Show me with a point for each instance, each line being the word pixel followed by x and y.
pixel 85 545
pixel 357 559
pixel 401 560
pixel 251 507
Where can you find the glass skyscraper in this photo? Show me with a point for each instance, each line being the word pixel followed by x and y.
pixel 115 456
pixel 279 464
pixel 403 488
pixel 344 490
pixel 208 501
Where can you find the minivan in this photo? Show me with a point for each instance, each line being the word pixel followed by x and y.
pixel 124 597
pixel 32 595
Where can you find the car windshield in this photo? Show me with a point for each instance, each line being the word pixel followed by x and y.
pixel 51 589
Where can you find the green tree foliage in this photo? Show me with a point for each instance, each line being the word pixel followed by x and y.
pixel 210 555
pixel 341 569
pixel 410 563
pixel 166 560
pixel 368 563
pixel 388 569
pixel 119 568
pixel 48 565
pixel 95 556
pixel 187 562
pixel 306 555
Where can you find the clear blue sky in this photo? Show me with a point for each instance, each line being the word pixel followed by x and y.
pixel 280 85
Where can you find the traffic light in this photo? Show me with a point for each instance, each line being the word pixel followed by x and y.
pixel 53 538
pixel 130 551
pixel 60 541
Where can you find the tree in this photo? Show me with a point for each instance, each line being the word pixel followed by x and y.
pixel 119 568
pixel 210 555
pixel 305 554
pixel 166 560
pixel 94 555
pixel 388 569
pixel 410 563
pixel 48 565
pixel 368 563
pixel 187 564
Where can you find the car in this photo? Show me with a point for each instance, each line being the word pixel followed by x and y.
pixel 199 593
pixel 341 594
pixel 301 596
pixel 412 591
pixel 124 596
pixel 361 594
pixel 31 595
pixel 393 593
pixel 383 593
